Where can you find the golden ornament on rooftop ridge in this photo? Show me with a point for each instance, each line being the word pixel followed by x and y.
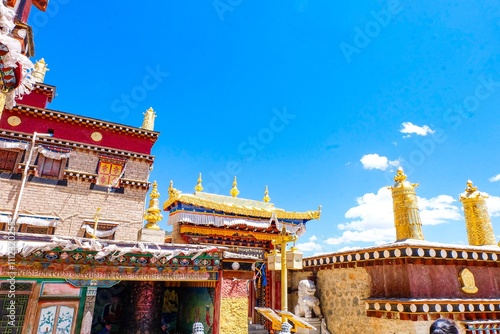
pixel 477 220
pixel 266 196
pixel 198 186
pixel 405 207
pixel 39 70
pixel 234 190
pixel 149 120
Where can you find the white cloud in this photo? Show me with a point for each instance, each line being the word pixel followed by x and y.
pixel 409 128
pixel 372 219
pixel 438 210
pixel 375 161
pixel 495 178
pixel 493 204
pixel 310 246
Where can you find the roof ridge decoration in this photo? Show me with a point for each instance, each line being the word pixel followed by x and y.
pixel 234 205
pixel 198 187
pixel 266 198
pixel 234 190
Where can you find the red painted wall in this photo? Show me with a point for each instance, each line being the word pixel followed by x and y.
pixel 78 132
pixel 431 281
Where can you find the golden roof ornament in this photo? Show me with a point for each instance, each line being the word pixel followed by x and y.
pixel 266 196
pixel 405 207
pixel 198 187
pixel 172 192
pixel 477 220
pixel 39 70
pixel 149 120
pixel 234 190
pixel 153 213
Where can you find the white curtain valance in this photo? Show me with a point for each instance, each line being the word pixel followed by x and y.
pixel 4 218
pixel 53 154
pixel 221 221
pixel 13 144
pixel 99 234
pixel 37 221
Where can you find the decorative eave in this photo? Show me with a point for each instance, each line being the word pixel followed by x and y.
pixel 76 145
pixel 81 258
pixel 93 178
pixel 410 250
pixel 412 309
pixel 86 121
pixel 236 206
pixel 48 90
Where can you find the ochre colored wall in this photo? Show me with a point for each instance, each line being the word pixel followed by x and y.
pixel 234 307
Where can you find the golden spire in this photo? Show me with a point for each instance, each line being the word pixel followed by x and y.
pixel 266 196
pixel 405 207
pixel 39 70
pixel 198 187
pixel 234 191
pixel 477 220
pixel 149 120
pixel 153 213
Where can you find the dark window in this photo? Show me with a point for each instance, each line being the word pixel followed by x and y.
pixel 8 160
pixel 51 167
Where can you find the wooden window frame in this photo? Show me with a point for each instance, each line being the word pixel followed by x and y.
pixel 15 166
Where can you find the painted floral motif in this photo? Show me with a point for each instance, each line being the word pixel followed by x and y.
pixel 76 256
pixel 142 260
pixel 133 259
pixel 89 256
pixel 163 260
pixel 51 256
pixel 64 255
pixel 205 262
pixel 184 262
pixel 47 316
pixel 65 320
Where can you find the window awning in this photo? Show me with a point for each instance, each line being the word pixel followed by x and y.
pixel 88 227
pixel 13 144
pixel 38 220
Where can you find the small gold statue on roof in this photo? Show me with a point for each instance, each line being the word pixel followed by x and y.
pixel 234 191
pixel 198 187
pixel 470 187
pixel 172 192
pixel 266 196
pixel 400 176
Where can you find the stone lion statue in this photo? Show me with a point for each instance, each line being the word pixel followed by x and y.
pixel 307 301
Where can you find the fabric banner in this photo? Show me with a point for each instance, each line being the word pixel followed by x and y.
pixel 53 153
pixel 99 234
pixel 109 173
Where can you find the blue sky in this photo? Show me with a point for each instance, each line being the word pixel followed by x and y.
pixel 319 100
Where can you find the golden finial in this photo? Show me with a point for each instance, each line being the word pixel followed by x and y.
pixel 405 207
pixel 234 191
pixel 477 219
pixel 470 187
pixel 400 176
pixel 172 192
pixel 198 187
pixel 153 213
pixel 39 70
pixel 149 120
pixel 266 196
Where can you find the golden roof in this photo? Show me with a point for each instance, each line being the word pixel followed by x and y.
pixel 235 205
